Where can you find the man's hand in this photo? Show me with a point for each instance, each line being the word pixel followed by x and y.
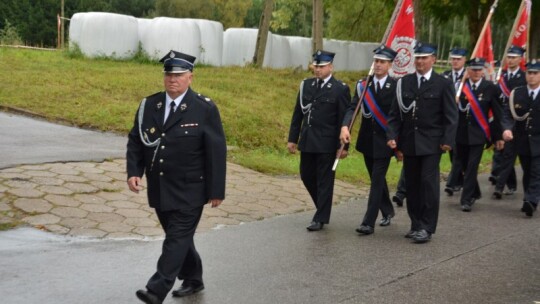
pixel 345 136
pixel 399 155
pixel 507 135
pixel 134 184
pixel 215 202
pixel 391 143
pixel 291 147
pixel 343 154
pixel 446 147
pixel 499 145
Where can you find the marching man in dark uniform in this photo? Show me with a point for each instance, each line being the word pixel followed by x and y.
pixel 503 172
pixel 372 136
pixel 476 100
pixel 177 141
pixel 524 105
pixel 315 127
pixel 423 125
pixel 458 58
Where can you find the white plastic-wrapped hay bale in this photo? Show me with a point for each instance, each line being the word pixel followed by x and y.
pixel 239 46
pixel 280 53
pixel 211 47
pixel 165 34
pixel 300 51
pixel 361 55
pixel 75 29
pixel 341 48
pixel 105 34
pixel 144 24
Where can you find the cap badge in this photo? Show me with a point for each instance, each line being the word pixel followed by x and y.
pixel 171 54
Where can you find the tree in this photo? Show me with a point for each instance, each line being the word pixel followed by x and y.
pixel 262 35
pixel 359 20
pixel 292 17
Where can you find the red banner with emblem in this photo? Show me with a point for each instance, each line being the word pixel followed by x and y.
pixel 401 39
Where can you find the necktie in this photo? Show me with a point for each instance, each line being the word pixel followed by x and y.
pixel 172 108
pixel 456 77
pixel 511 76
pixel 319 84
pixel 378 87
pixel 422 81
pixel 532 95
pixel 474 87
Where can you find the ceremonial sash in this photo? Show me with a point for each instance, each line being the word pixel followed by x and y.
pixel 371 104
pixel 504 87
pixel 477 110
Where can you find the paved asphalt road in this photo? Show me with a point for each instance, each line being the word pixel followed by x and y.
pixel 490 255
pixel 31 141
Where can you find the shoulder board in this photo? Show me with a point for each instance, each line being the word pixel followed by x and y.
pixel 203 98
pixel 154 95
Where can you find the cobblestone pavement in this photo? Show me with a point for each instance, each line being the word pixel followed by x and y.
pixel 91 199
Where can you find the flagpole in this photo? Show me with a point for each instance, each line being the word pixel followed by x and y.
pixel 368 79
pixel 509 42
pixel 529 13
pixel 473 54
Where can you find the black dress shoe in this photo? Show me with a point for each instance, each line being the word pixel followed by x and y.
pixel 386 220
pixel 398 199
pixel 422 236
pixel 493 180
pixel 186 290
pixel 449 191
pixel 529 208
pixel 466 208
pixel 315 226
pixel 457 188
pixel 497 193
pixel 365 229
pixel 148 297
pixel 410 234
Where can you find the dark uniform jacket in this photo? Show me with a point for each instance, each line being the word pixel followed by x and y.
pixel 190 162
pixel 469 130
pixel 317 130
pixel 449 74
pixel 518 80
pixel 372 137
pixel 432 123
pixel 527 132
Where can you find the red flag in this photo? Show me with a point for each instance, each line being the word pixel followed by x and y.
pixel 519 36
pixel 401 39
pixel 485 47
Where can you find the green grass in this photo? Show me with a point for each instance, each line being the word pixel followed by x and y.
pixel 255 104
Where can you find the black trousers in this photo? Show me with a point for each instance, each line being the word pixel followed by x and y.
pixel 531 178
pixel 422 176
pixel 455 177
pixel 379 197
pixel 179 258
pixel 503 166
pixel 470 156
pixel 401 188
pixel 318 178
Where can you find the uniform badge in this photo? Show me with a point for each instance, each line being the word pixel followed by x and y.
pixel 480 96
pixel 152 130
pixel 183 107
pixel 517 106
pixel 329 85
pixel 387 85
pixel 159 105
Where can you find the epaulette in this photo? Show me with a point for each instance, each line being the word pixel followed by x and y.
pixel 204 98
pixel 154 94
